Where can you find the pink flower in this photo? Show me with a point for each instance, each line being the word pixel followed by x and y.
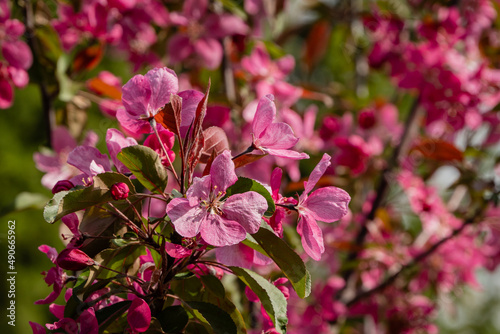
pixel 167 139
pixel 220 222
pixel 115 141
pixel 139 315
pixel 143 96
pixel 274 138
pixel 119 191
pixel 326 204
pixel 200 33
pixel 269 76
pixel 55 276
pixel 73 259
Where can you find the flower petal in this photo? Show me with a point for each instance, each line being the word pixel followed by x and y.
pixel 210 51
pixel 311 236
pixel 87 158
pixel 136 94
pixel 278 136
pixel 139 315
pixel 222 172
pixel 264 116
pixel 246 209
pixel 287 154
pixel 219 232
pixel 163 82
pixel 186 218
pixel 115 141
pixel 327 204
pixel 317 173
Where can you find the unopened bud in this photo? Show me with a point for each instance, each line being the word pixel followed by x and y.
pixel 62 185
pixel 74 259
pixel 367 119
pixel 119 191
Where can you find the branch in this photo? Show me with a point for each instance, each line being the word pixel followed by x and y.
pixel 48 110
pixel 388 281
pixel 381 190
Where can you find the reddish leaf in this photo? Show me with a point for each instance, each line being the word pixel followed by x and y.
pixel 215 141
pixel 317 43
pixel 247 159
pixel 88 58
pixel 206 171
pixel 102 88
pixel 438 149
pixel 170 115
pixel 201 111
pixel 195 154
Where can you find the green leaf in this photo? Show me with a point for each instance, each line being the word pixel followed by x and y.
pixel 146 165
pixel 245 184
pixel 289 262
pixel 214 285
pixel 220 321
pixel 271 297
pixel 66 202
pixel 107 315
pixel 74 307
pixel 124 260
pixel 173 319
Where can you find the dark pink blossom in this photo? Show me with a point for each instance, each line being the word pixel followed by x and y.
pixel 168 139
pixel 269 76
pixel 119 191
pixel 220 222
pixel 143 96
pixel 55 276
pixel 326 204
pixel 200 32
pixel 73 259
pixel 139 315
pixel 62 185
pixel 274 138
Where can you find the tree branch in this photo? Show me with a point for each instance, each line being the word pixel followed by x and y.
pixel 381 190
pixel 388 281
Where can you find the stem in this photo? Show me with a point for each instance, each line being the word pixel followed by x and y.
pixel 388 281
pixel 250 149
pixel 381 190
pixel 128 222
pixel 153 125
pixel 48 110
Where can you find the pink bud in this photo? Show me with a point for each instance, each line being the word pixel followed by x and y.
pixel 139 315
pixel 73 259
pixel 119 191
pixel 367 119
pixel 62 185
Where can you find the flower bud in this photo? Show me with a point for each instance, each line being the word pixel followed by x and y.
pixel 73 259
pixel 139 315
pixel 119 191
pixel 367 119
pixel 62 185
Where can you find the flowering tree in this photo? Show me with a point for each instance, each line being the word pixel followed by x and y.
pixel 344 193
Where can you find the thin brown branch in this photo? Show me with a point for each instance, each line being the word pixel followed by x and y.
pixel 422 256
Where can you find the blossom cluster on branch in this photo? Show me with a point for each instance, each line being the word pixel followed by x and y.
pixel 343 187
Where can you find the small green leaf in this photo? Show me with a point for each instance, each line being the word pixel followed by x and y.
pixel 66 202
pixel 245 184
pixel 214 285
pixel 74 307
pixel 173 319
pixel 271 297
pixel 220 321
pixel 146 165
pixel 289 262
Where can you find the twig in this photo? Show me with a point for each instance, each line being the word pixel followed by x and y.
pixel 388 281
pixel 381 190
pixel 48 110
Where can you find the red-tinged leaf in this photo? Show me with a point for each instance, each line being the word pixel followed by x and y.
pixel 438 149
pixel 170 115
pixel 195 154
pixel 317 43
pixel 102 88
pixel 317 96
pixel 215 141
pixel 206 171
pixel 201 111
pixel 247 159
pixel 88 58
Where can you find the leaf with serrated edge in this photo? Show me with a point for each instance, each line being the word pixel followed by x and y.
pixel 271 297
